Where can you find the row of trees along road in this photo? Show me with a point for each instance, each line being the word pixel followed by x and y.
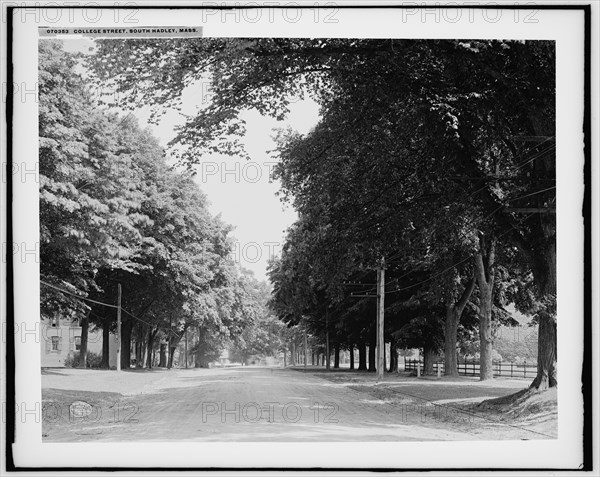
pixel 112 211
pixel 436 156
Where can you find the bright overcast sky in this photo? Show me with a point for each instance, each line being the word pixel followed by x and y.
pixel 239 189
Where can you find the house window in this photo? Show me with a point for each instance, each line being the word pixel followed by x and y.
pixel 55 342
pixel 77 343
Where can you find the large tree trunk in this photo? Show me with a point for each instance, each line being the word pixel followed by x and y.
pixel 84 340
pixel 162 363
pixel 429 358
pixel 362 357
pixel 126 344
pixel 450 341
pixel 198 363
pixel 171 355
pixel 150 351
pixel 453 313
pixel 546 361
pixel 351 351
pixel 105 344
pixel 544 259
pixel 173 344
pixel 336 358
pixel 139 341
pixel 144 348
pixel 372 366
pixel 545 275
pixel 293 354
pixel 484 264
pixel 393 356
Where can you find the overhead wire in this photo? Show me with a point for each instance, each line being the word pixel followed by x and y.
pixel 500 207
pixel 447 269
pixel 77 296
pixel 103 304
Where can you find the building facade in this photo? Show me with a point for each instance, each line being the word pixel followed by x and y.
pixel 61 338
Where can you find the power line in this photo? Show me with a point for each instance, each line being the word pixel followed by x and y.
pixel 77 296
pixel 449 268
pixel 500 207
pixel 103 304
pixel 535 156
pixel 150 324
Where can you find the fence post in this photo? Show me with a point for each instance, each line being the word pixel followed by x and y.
pixel 511 369
pixel 525 369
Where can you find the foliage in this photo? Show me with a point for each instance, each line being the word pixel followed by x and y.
pixel 93 360
pixel 114 212
pixel 421 148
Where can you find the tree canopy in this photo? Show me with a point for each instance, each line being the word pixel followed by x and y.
pixel 435 155
pixel 113 211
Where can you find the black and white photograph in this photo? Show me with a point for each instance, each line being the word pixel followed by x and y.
pixel 300 237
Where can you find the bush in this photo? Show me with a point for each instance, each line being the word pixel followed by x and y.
pixel 93 360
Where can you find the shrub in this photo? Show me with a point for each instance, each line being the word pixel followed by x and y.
pixel 93 360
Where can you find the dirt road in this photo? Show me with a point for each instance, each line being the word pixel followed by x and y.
pixel 245 404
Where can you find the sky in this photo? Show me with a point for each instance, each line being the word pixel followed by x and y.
pixel 240 190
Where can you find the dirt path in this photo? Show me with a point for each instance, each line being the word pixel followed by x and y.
pixel 244 404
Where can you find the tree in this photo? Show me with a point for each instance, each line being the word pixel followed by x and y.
pixel 262 331
pixel 89 214
pixel 389 107
pixel 453 314
pixel 113 212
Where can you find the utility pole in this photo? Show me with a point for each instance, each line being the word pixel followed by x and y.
pixel 305 347
pixel 118 327
pixel 326 339
pixel 380 320
pixel 169 345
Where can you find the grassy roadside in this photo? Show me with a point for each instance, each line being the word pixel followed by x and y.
pixel 461 401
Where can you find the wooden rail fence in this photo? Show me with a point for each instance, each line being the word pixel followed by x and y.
pixel 471 368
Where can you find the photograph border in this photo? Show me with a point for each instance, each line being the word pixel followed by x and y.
pixel 586 378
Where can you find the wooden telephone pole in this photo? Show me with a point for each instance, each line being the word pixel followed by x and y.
pixel 169 345
pixel 380 343
pixel 380 319
pixel 118 327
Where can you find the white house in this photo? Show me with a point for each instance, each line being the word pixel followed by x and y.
pixel 62 337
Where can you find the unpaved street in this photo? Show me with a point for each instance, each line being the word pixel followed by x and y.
pixel 244 404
